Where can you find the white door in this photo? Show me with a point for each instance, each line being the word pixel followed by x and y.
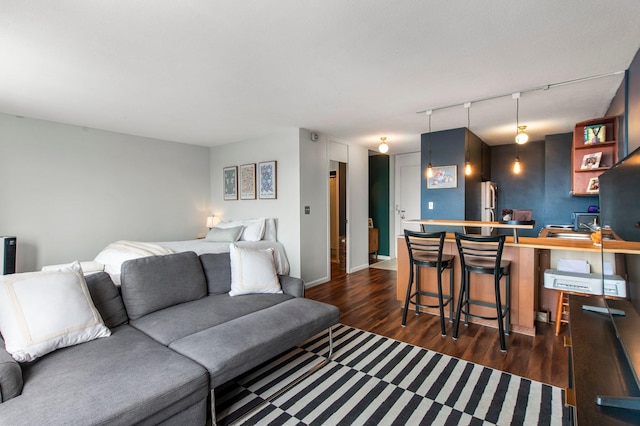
pixel 408 180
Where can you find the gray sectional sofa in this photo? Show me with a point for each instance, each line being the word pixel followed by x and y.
pixel 176 335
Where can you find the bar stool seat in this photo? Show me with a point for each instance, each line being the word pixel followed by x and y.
pixel 483 255
pixel 425 251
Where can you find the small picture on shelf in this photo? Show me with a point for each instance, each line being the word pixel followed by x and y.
pixel 593 186
pixel 591 161
pixel 594 134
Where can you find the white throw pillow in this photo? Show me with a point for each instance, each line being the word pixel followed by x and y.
pixel 253 229
pixel 228 235
pixel 44 311
pixel 253 271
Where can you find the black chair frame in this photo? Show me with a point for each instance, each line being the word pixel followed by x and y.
pixel 425 250
pixel 488 251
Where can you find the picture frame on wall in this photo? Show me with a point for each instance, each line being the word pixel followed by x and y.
pixel 444 177
pixel 247 181
pixel 268 180
pixel 230 182
pixel 593 186
pixel 591 161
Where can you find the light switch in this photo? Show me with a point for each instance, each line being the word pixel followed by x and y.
pixel 430 205
pixel 307 209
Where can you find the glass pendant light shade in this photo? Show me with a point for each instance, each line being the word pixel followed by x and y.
pixel 516 166
pixel 429 171
pixel 521 136
pixel 467 168
pixel 383 147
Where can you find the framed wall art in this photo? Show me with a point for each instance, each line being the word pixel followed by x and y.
pixel 268 180
pixel 444 177
pixel 230 182
pixel 247 181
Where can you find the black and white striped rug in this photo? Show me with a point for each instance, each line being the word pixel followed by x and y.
pixel 374 380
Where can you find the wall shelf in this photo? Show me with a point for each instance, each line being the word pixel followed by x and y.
pixel 584 180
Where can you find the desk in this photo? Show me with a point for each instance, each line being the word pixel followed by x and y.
pixel 597 366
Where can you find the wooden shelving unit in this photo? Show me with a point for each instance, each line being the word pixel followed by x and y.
pixel 582 179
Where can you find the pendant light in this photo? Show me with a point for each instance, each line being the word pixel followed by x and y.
pixel 429 167
pixel 383 147
pixel 521 136
pixel 516 165
pixel 467 154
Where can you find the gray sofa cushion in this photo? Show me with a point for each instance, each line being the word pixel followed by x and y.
pixel 106 297
pixel 10 375
pixel 217 269
pixel 126 378
pixel 265 334
pixel 176 322
pixel 156 282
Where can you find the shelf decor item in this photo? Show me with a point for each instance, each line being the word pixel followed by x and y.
pixel 230 181
pixel 248 181
pixel 593 187
pixel 591 161
pixel 267 180
pixel 594 134
pixel 444 177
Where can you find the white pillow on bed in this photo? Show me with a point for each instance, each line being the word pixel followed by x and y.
pixel 253 229
pixel 253 271
pixel 44 311
pixel 224 234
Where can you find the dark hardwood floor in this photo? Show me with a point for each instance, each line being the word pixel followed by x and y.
pixel 367 300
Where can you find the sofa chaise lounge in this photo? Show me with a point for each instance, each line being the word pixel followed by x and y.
pixel 176 335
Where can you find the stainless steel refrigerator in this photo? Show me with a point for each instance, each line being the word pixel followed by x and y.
pixel 489 205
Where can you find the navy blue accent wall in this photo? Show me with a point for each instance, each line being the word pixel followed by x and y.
pixel 447 148
pixel 379 199
pixel 560 203
pixel 524 191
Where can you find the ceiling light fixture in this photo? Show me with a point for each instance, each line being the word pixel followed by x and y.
pixel 429 167
pixel 383 147
pixel 467 154
pixel 521 136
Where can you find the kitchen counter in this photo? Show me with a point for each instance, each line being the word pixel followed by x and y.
pixel 527 258
pixel 464 224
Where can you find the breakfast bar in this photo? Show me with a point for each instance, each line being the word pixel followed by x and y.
pixel 529 258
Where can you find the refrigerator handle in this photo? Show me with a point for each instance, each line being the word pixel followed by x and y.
pixel 492 197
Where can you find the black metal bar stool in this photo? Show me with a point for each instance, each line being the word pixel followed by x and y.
pixel 483 255
pixel 425 250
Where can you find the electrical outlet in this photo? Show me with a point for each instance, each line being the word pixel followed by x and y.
pixel 430 205
pixel 307 209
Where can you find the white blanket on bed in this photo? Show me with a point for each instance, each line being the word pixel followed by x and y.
pixel 115 254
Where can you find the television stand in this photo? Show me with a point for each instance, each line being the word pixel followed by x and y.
pixel 598 367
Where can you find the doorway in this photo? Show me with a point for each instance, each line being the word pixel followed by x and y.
pixel 408 181
pixel 338 217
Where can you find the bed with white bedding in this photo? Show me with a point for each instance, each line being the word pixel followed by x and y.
pixel 257 234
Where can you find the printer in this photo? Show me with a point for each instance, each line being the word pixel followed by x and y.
pixel 612 285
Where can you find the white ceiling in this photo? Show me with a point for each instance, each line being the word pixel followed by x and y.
pixel 214 72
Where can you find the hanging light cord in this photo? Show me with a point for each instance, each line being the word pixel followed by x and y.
pixel 466 142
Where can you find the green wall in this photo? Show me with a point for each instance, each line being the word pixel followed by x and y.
pixel 379 199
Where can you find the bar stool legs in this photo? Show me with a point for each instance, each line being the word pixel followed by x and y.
pixel 425 251
pixel 562 311
pixel 484 259
pixel 439 295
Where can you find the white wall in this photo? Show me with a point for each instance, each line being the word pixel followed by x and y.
pixel 282 147
pixel 68 191
pixel 314 192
